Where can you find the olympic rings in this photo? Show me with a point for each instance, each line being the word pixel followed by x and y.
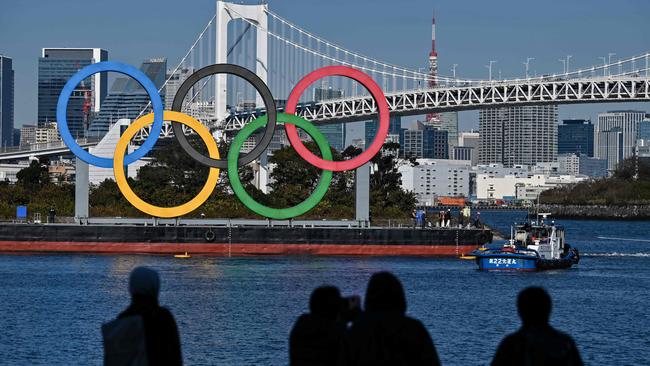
pixel 279 213
pixel 382 107
pixel 140 77
pixel 261 88
pixel 137 202
pixel 233 160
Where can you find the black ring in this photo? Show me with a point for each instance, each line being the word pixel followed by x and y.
pixel 261 88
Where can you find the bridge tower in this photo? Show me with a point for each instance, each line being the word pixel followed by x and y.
pixel 226 12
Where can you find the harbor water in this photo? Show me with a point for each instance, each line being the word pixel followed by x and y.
pixel 239 311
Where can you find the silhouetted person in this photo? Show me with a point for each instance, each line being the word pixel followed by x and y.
pixel 477 221
pixel 144 318
pixel 384 335
pixel 316 336
pixel 536 343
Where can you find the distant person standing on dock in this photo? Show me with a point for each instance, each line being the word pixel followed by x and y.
pixel 467 215
pixel 448 218
pixel 423 224
pixel 414 214
pixel 536 342
pixel 477 221
pixel 384 335
pixel 145 333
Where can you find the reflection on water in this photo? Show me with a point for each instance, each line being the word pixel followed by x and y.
pixel 238 311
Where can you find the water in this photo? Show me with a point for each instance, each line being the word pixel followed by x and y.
pixel 239 311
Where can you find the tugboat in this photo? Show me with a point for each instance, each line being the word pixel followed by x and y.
pixel 532 246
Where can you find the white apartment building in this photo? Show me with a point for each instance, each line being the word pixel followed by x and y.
pixel 48 133
pixel 519 187
pixel 518 135
pixel 8 171
pixel 569 164
pixel 434 178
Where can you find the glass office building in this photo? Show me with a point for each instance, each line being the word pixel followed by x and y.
pixel 6 102
pixel 55 67
pixel 335 133
pixel 394 128
pixel 423 142
pixel 575 136
pixel 127 98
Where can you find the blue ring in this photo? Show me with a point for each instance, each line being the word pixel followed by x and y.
pixel 137 75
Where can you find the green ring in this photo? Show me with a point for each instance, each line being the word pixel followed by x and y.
pixel 279 213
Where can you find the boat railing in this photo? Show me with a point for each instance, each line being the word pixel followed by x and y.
pixel 518 250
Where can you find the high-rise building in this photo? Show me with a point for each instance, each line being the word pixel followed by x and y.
pixel 592 167
pixel 55 67
pixel 128 98
pixel 6 102
pixel 575 136
pixel 626 122
pixel 47 133
pixel 174 82
pixel 394 128
pixel 468 140
pixel 16 137
pixel 569 164
pixel 611 147
pixel 423 142
pixel 27 135
pixel 32 134
pixel 518 135
pixel 463 153
pixel 335 133
pixel 449 123
pixel 644 131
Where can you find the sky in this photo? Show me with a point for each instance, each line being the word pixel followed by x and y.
pixel 469 33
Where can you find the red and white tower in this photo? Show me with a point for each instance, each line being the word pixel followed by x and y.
pixel 433 67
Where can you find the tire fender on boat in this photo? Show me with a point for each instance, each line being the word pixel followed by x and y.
pixel 210 236
pixel 482 238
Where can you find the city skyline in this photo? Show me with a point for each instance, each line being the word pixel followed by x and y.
pixel 462 39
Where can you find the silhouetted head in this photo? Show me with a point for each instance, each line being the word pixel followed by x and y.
pixel 144 282
pixel 385 293
pixel 534 305
pixel 325 301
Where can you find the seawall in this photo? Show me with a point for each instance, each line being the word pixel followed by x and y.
pixel 598 212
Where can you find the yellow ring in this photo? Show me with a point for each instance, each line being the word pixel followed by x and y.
pixel 137 202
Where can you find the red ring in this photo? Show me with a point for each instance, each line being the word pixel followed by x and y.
pixel 377 95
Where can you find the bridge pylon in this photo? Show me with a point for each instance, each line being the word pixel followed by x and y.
pixel 226 12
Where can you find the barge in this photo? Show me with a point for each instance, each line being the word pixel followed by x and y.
pixel 239 240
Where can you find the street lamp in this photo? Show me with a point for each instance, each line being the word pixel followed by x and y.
pixel 527 64
pixel 489 67
pixel 604 65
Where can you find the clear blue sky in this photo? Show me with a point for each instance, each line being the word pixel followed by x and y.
pixel 469 34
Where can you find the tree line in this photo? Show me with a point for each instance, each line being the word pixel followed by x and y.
pixel 629 185
pixel 173 178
